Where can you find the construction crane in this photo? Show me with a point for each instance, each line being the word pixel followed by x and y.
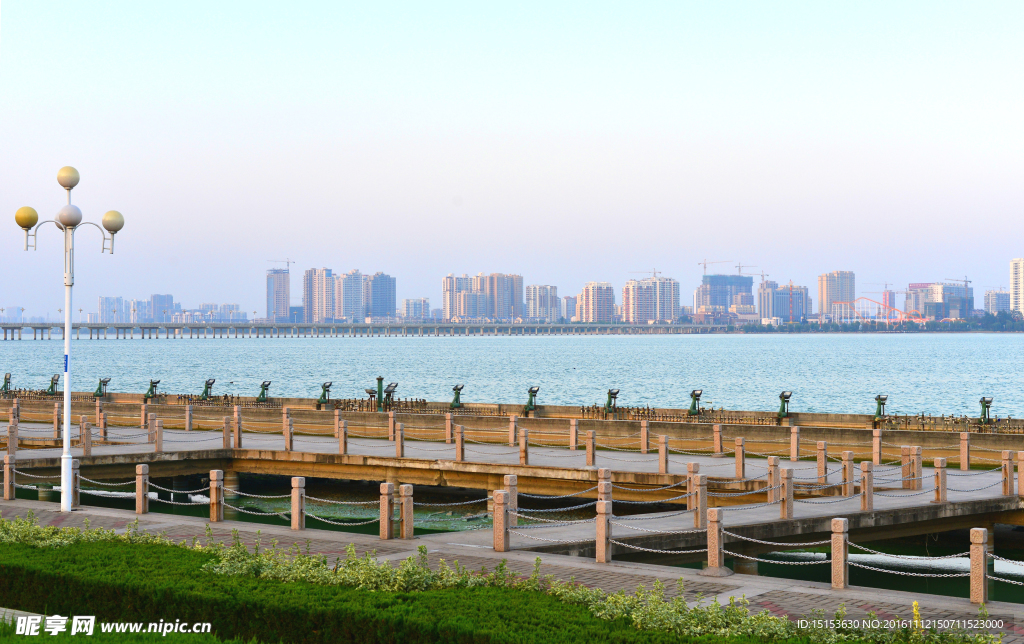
pixel 964 280
pixel 287 263
pixel 653 272
pixel 762 274
pixel 739 267
pixel 706 262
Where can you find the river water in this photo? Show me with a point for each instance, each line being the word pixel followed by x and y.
pixel 931 373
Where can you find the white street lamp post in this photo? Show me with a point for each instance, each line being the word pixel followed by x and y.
pixel 68 219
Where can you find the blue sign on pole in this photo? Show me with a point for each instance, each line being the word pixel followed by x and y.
pixel 65 363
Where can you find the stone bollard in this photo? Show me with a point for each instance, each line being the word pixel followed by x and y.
pixel 663 454
pixel 1007 471
pixel 188 418
pixel 337 423
pixel 700 508
pixel 574 433
pixel 448 428
pixel 822 462
pixel 917 466
pixel 512 430
pixel 143 417
pixel 591 457
pixel 940 480
pixel 289 434
pixel 716 436
pixel 56 421
pixel 298 503
pixel 103 426
pixel 524 446
pixel 774 479
pixel 12 438
pixel 76 482
pixel 847 473
pixel 399 437
pixel 158 436
pixel 840 554
pixel 965 450
pixel 692 471
pixel 238 427
pixel 216 496
pixel 907 471
pixel 387 511
pixel 876 446
pixel 343 437
pixel 405 516
pixel 8 477
pixel 741 458
pixel 786 507
pixel 979 566
pixel 460 443
pixel 512 488
pixel 141 489
pixel 85 436
pixel 391 425
pixel 603 536
pixel 286 415
pixel 500 522
pixel 794 444
pixel 867 486
pixel 151 428
pixel 604 484
pixel 716 558
pixel 226 432
pixel 99 410
pixel 1020 473
pixel 645 435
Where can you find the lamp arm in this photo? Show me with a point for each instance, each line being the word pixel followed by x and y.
pixel 103 233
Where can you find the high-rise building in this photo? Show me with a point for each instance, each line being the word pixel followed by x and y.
pixel 916 296
pixel 766 299
pixel 997 301
pixel 837 286
pixel 137 311
pixel 451 286
pixel 348 297
pixel 112 309
pixel 417 309
pixel 542 303
pixel 1017 285
pixel 596 303
pixel 948 301
pixel 502 296
pixel 721 290
pixel 380 295
pixel 279 293
pixel 161 308
pixel 650 300
pixel 569 307
pixel 791 303
pixel 318 296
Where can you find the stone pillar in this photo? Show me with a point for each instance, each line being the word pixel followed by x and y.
pixel 645 435
pixel 141 489
pixel 289 434
pixel 907 470
pixel 917 460
pixel 12 438
pixel 387 511
pixel 663 454
pixel 103 426
pixel 399 438
pixel 188 418
pixel 142 416
pixel 590 450
pixel 56 421
pixel 604 484
pixel 847 473
pixel 774 479
pixel 286 415
pixel 76 482
pixel 979 566
pixel 794 444
pixel 226 432
pixel 512 488
pixel 216 495
pixel 500 522
pixel 822 462
pixel 158 436
pixel 741 458
pixel 700 508
pixel 391 425
pixel 524 446
pixel 512 430
pixel 405 507
pixel 940 480
pixel 337 422
pixel 876 446
pixel 298 503
pixel 716 558
pixel 692 471
pixel 238 427
pixel 85 436
pixel 786 507
pixel 460 444
pixel 716 436
pixel 8 477
pixel 342 430
pixel 151 427
pixel 448 428
pixel 1020 473
pixel 99 410
pixel 1007 471
pixel 574 433
pixel 965 450
pixel 867 486
pixel 603 534
pixel 840 554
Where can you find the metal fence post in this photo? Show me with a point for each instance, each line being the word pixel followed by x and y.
pixel 840 554
pixel 405 507
pixel 524 446
pixel 867 486
pixel 512 488
pixel 216 496
pixel 979 565
pixel 940 480
pixel 786 507
pixel 387 511
pixel 500 521
pixel 298 503
pixel 141 489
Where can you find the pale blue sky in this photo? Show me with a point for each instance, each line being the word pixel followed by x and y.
pixel 566 142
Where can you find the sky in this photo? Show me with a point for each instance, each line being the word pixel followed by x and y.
pixel 567 142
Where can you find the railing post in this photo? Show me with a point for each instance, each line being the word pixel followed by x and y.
pixel 512 430
pixel 337 423
pixel 716 436
pixel 8 477
pixel 965 450
pixel 840 554
pixel 1007 472
pixel 12 437
pixel 876 446
pixel 103 426
pixel 979 566
pixel 238 427
pixel 99 410
pixel 188 418
pixel 143 417
pixel 645 435
pixel 289 434
pixel 847 473
pixel 286 415
pixel 216 496
pixel 298 503
pixel 405 507
pixel 158 436
pixel 574 433
pixel 940 480
pixel 867 486
pixel 151 428
pixel 692 471
pixel 907 470
pixel 141 489
pixel 85 436
pixel 448 428
pixel 512 488
pixel 794 444
pixel 524 446
pixel 741 458
pixel 604 484
pixel 387 511
pixel 391 425
pixel 590 449
pixel 917 461
pixel 226 432
pixel 786 507
pixel 460 443
pixel 343 437
pixel 716 558
pixel 603 534
pixel 774 479
pixel 822 462
pixel 700 508
pixel 663 454
pixel 399 437
pixel 56 421
pixel 500 521
pixel 76 482
pixel 1020 473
